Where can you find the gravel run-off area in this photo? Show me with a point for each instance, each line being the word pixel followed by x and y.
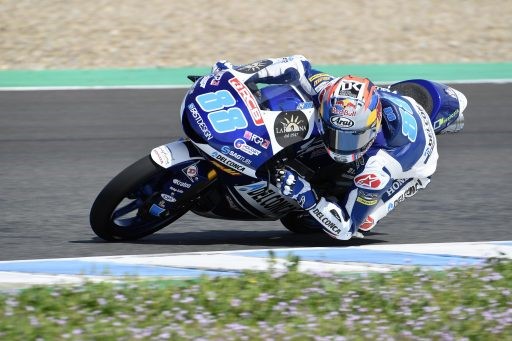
pixel 77 34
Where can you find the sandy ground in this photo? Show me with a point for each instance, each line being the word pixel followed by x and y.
pixel 70 34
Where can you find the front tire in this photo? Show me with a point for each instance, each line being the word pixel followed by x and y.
pixel 120 212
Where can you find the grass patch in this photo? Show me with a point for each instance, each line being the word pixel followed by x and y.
pixel 473 303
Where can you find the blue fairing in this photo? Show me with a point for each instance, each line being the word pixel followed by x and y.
pixel 282 98
pixel 445 105
pixel 223 112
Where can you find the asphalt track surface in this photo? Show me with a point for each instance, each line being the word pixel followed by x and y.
pixel 59 148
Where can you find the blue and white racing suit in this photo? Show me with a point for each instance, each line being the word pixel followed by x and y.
pixel 398 164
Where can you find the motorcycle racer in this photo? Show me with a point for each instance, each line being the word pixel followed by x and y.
pixel 389 138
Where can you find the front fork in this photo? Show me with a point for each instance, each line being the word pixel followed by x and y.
pixel 187 175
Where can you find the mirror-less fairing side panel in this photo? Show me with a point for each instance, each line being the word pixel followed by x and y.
pixel 175 153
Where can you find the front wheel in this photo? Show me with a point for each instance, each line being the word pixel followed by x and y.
pixel 121 210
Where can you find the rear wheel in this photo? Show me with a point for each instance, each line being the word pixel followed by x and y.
pixel 121 210
pixel 416 91
pixel 301 223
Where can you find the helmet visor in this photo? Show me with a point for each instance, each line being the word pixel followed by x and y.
pixel 348 141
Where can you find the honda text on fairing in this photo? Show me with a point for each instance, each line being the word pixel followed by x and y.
pixel 238 135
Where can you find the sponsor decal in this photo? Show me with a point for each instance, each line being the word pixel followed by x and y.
pixel 305 105
pixel 350 88
pixel 216 78
pixel 450 92
pixel 168 198
pixel 267 200
pixel 200 122
pixel 181 183
pixel 227 150
pixel 341 122
pixel 326 222
pixel 367 224
pixel 366 201
pixel 345 107
pixel 301 200
pixel 249 100
pixel 413 189
pixel 395 186
pixel 431 140
pixel 254 67
pixel 409 192
pixel 444 120
pixel 174 189
pixel 290 127
pixel 367 181
pixel 394 204
pixel 322 86
pixel 335 214
pixel 240 144
pixel 224 168
pixel 285 59
pixel 390 114
pixel 346 103
pixel 367 196
pixel 249 136
pixel 319 78
pixel 191 172
pixel 222 159
pixel 162 155
pixel 204 81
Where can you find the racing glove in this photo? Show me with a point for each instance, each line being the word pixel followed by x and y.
pixel 330 216
pixel 292 185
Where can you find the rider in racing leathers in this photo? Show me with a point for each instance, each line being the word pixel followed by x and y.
pixel 388 136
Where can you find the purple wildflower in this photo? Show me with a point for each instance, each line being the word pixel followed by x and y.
pixel 263 297
pixel 235 302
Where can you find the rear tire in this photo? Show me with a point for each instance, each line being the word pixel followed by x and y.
pixel 301 223
pixel 130 185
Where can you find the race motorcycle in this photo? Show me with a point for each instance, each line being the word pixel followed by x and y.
pixel 238 136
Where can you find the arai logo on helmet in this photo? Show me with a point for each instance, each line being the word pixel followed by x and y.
pixel 341 122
